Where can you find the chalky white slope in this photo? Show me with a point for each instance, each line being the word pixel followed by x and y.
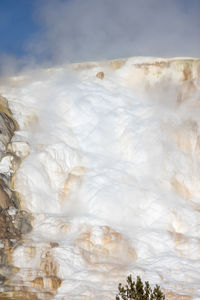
pixel 111 175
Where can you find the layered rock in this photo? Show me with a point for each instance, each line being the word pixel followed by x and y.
pixel 107 160
pixel 14 222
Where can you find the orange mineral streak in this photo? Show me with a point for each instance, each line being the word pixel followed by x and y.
pixel 48 280
pixel 180 188
pixel 117 64
pixel 31 120
pixel 110 244
pixel 185 92
pixel 180 242
pixel 175 296
pixel 188 138
pixel 72 182
pixel 18 295
pixel 43 281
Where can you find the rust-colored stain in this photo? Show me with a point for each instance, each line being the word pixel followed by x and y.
pixel 100 75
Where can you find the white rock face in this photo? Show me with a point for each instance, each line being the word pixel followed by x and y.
pixel 110 173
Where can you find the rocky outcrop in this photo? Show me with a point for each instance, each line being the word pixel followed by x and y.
pixel 100 75
pixel 16 223
pixel 13 221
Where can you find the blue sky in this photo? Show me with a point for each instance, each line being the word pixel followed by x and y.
pixel 16 25
pixel 76 30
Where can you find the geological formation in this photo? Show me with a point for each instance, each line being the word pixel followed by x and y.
pixel 100 178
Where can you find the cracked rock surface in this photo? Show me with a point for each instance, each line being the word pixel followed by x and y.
pixel 13 221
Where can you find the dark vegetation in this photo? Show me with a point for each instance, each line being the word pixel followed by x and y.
pixel 138 291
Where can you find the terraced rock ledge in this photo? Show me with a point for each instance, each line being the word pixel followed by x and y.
pixel 106 164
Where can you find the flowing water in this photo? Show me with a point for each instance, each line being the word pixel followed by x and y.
pixel 110 174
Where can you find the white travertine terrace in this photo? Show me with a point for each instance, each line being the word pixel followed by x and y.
pixel 111 176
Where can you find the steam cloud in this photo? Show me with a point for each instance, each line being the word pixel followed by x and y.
pixel 79 30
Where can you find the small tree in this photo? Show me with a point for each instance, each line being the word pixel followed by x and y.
pixel 138 291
